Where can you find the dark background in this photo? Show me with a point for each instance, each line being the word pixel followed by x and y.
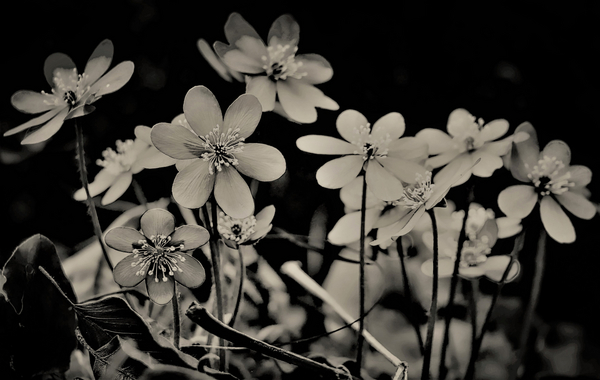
pixel 530 61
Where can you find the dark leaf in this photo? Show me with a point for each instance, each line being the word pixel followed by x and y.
pixel 168 372
pixel 112 362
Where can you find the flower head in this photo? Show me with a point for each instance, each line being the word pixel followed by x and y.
pixel 158 254
pixel 550 181
pixel 245 231
pixel 274 73
pixel 387 159
pixel 217 152
pixel 72 93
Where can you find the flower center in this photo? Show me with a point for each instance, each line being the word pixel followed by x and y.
pixel 369 146
pixel 416 195
pixel 281 63
pixel 470 139
pixel 474 253
pixel 237 230
pixel 67 87
pixel 158 254
pixel 118 161
pixel 547 178
pixel 221 147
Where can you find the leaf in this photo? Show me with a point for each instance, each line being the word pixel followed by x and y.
pixel 112 362
pixel 40 320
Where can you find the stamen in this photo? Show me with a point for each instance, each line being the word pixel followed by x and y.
pixel 222 147
pixel 118 161
pixel 368 146
pixel 547 178
pixel 281 63
pixel 416 195
pixel 237 230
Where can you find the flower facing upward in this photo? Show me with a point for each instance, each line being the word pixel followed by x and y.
pixel 552 182
pixel 217 152
pixel 274 73
pixel 387 159
pixel 245 231
pixel 158 254
pixel 72 93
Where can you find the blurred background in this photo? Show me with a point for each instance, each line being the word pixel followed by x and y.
pixel 522 61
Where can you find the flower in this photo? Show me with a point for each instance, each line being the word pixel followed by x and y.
pixel 551 181
pixel 482 231
pixel 118 169
pixel 386 159
pixel 72 93
pixel 217 152
pixel 274 72
pixel 469 140
pixel 158 254
pixel 245 231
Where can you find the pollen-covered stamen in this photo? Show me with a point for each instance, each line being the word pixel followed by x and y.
pixel 221 147
pixel 548 178
pixel 158 254
pixel 416 195
pixel 237 230
pixel 69 87
pixel 281 63
pixel 118 161
pixel 368 146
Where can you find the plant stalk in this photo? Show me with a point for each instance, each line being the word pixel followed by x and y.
pixel 434 296
pixel 176 318
pixel 362 296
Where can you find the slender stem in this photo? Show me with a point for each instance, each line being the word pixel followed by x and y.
pixel 409 299
pixel 472 284
pixel 84 182
pixel 139 192
pixel 434 296
pixel 240 292
pixel 176 318
pixel 361 276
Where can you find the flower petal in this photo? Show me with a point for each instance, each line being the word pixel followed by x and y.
pixel 559 150
pixel 153 158
pixel 493 130
pixel 318 69
pixel 113 80
pixel 191 236
pixel 298 100
pixel 556 222
pixel 460 164
pixel 243 114
pixel 488 164
pixel 348 123
pixel 405 170
pixel 264 217
pixel 176 141
pixel 495 266
pixel 215 62
pixel 577 205
pixel 351 195
pixel 157 221
pixel 124 272
pixel 102 181
pixel 382 182
pixel 35 121
pixel 98 62
pixel 57 61
pixel 438 141
pixel 390 126
pixel 242 57
pixel 261 162
pixel 284 31
pixel 517 201
pixel 525 154
pixel 193 184
pixel 459 121
pixel 318 144
pixel 264 89
pixel 202 111
pixel 445 267
pixel 340 171
pixel 32 102
pixel 408 148
pixel 159 291
pixel 47 130
pixel 236 27
pixel 508 227
pixel 347 228
pixel 233 194
pixel 123 238
pixel 580 175
pixel 118 188
pixel 192 273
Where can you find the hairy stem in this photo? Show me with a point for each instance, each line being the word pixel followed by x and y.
pixel 240 292
pixel 434 296
pixel 176 318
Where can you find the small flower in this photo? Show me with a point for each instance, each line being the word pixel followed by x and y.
pixel 469 140
pixel 245 231
pixel 386 158
pixel 552 182
pixel 217 152
pixel 119 166
pixel 274 73
pixel 72 93
pixel 158 254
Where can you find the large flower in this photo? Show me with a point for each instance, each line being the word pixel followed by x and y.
pixel 158 254
pixel 551 182
pixel 218 154
pixel 467 141
pixel 274 71
pixel 72 93
pixel 386 158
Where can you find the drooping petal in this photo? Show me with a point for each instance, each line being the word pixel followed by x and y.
pixel 488 164
pixel 191 236
pixel 318 144
pixel 264 89
pixel 159 291
pixel 459 121
pixel 340 171
pixel 113 80
pixel 517 201
pixel 32 102
pixel 193 184
pixel 123 238
pixel 559 150
pixel 102 181
pixel 98 62
pixel 495 266
pixel 390 126
pixel 47 130
pixel 176 141
pixel 297 100
pixel 382 182
pixel 438 141
pixel 493 130
pixel 577 205
pixel 318 69
pixel 405 170
pixel 411 219
pixel 233 194
pixel 348 124
pixel 35 121
pixel 57 61
pixel 192 273
pixel 347 228
pixel 243 114
pixel 202 111
pixel 118 188
pixel 261 162
pixel 157 221
pixel 556 222
pixel 215 62
pixel 125 273
pixel 284 31
pixel 242 56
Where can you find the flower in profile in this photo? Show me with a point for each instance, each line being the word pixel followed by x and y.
pixel 274 73
pixel 245 231
pixel 552 183
pixel 482 232
pixel 217 152
pixel 72 93
pixel 467 141
pixel 158 254
pixel 387 159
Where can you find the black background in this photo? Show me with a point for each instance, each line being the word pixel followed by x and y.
pixel 530 61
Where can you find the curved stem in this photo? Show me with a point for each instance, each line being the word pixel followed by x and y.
pixel 434 295
pixel 176 318
pixel 240 291
pixel 362 296
pixel 409 299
